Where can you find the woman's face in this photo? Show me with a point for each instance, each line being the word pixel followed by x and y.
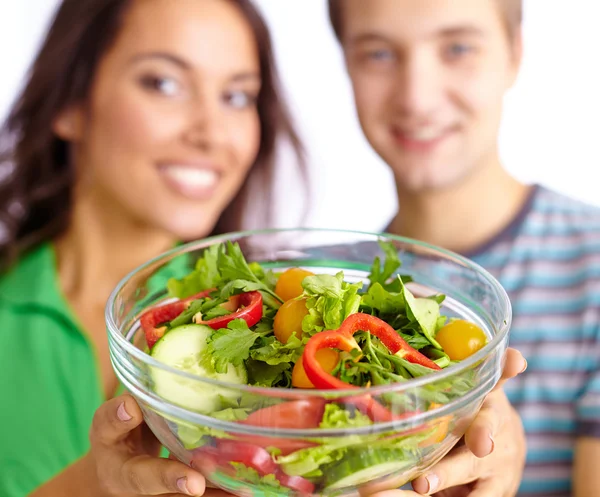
pixel 171 127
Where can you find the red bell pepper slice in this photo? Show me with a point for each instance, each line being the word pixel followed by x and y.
pixel 323 380
pixel 152 318
pixel 388 336
pixel 246 306
pixel 343 339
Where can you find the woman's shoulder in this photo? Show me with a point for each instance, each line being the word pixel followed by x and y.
pixel 30 277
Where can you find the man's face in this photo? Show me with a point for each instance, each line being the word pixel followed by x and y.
pixel 429 77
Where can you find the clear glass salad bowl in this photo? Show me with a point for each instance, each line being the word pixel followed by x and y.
pixel 257 440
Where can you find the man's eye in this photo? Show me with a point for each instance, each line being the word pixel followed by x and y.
pixel 457 50
pixel 380 55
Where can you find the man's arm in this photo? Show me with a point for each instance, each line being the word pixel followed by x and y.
pixel 586 473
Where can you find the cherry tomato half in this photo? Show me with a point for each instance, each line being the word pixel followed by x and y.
pixel 327 358
pixel 461 339
pixel 288 320
pixel 289 284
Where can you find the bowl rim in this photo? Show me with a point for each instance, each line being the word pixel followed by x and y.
pixel 298 394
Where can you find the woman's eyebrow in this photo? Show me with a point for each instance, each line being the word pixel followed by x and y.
pixel 161 55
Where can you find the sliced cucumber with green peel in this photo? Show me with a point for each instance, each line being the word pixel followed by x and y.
pixel 183 348
pixel 365 465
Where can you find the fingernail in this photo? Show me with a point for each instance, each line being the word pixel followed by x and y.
pixel 524 367
pixel 182 485
pixel 122 413
pixel 433 481
pixel 493 445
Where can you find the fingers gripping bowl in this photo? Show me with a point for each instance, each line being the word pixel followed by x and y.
pixel 308 361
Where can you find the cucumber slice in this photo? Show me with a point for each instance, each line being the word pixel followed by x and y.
pixel 182 348
pixel 365 465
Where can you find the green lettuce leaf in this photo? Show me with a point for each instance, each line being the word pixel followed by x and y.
pixel 205 275
pixel 330 300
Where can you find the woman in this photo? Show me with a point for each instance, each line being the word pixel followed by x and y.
pixel 138 128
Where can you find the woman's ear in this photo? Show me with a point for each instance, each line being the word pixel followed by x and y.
pixel 68 124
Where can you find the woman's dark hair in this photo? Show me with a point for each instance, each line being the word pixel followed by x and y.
pixel 36 177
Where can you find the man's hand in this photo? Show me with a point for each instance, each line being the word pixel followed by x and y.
pixel 586 477
pixel 490 462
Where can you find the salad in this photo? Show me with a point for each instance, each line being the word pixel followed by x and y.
pixel 243 324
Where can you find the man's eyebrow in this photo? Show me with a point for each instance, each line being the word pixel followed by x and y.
pixel 444 32
pixel 368 37
pixel 465 29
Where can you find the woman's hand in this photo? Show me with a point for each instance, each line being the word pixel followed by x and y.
pixel 490 462
pixel 125 454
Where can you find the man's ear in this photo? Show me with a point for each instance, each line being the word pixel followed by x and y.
pixel 68 125
pixel 516 53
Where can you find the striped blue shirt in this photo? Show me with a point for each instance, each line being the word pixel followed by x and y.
pixel 548 260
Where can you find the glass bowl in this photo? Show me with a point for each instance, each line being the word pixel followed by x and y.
pixel 276 454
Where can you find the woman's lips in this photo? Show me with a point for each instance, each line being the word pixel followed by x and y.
pixel 193 182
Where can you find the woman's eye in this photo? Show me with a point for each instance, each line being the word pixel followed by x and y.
pixel 240 99
pixel 169 87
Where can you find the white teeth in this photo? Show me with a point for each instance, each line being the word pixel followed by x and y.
pixel 200 178
pixel 426 134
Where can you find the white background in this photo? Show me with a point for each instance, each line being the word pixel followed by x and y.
pixel 550 131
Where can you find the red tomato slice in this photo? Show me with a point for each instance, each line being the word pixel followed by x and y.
pixel 285 445
pixel 302 414
pixel 249 455
pixel 206 459
pixel 297 483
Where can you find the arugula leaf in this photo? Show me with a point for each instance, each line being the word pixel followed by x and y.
pixel 392 262
pixel 330 300
pixel 438 356
pixel 416 340
pixel 425 311
pixel 230 345
pixel 205 275
pixel 208 308
pixel 234 268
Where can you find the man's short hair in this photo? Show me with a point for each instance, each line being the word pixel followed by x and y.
pixel 512 10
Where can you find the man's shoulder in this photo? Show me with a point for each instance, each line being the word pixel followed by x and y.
pixel 559 206
pixel 559 218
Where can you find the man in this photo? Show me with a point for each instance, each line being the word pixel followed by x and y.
pixel 429 77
